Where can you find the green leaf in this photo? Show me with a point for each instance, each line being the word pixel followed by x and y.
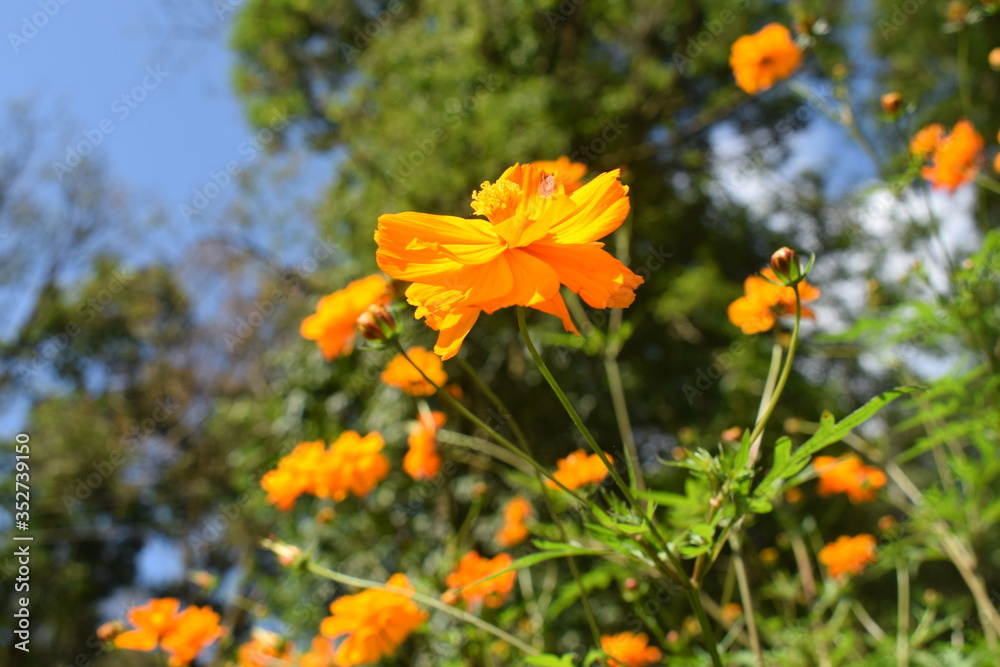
pixel 829 432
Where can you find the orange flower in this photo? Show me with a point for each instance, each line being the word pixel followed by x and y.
pixel 848 555
pixel 569 173
pixel 264 650
pixel 758 309
pixel 354 464
pixel 848 475
pixel 956 158
pixel 579 469
pixel 332 326
pixel 535 238
pixel 401 374
pixel 926 140
pixel 514 531
pixel 152 622
pixel 629 650
pixel 374 623
pixel 422 460
pixel 295 474
pixel 762 59
pixel 321 654
pixel 474 567
pixel 196 628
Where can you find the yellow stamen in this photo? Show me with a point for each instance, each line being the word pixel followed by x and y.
pixel 496 201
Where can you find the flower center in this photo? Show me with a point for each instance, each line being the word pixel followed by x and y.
pixel 496 201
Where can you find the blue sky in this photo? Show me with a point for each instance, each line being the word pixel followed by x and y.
pixel 87 55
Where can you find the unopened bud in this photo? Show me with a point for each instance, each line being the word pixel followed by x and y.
pixel 325 515
pixel 892 104
pixel 994 59
pixel 785 264
pixel 631 584
pixel 956 11
pixel 203 579
pixel 288 554
pixel 376 323
pixel 108 631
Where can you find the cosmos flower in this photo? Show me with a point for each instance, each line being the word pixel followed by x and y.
pixel 627 649
pixel 536 237
pixel 334 324
pixel 422 460
pixel 848 475
pixel 513 530
pixel 762 59
pixel 848 555
pixel 401 374
pixel 372 624
pixel 473 567
pixel 955 159
pixel 763 302
pixel 579 469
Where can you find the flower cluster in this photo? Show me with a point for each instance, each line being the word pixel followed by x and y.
pixel 763 302
pixel 181 634
pixel 536 237
pixel 849 475
pixel 351 465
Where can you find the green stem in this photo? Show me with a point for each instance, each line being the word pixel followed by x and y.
pixel 426 600
pixel 963 73
pixel 785 372
pixel 588 610
pixel 578 422
pixel 504 442
pixel 746 598
pixel 706 629
pixel 903 614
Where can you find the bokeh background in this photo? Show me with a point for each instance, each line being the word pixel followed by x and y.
pixel 181 180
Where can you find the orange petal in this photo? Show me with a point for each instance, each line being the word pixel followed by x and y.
pixel 602 205
pixel 426 248
pixel 600 279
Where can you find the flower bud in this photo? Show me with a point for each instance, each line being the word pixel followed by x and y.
pixel 108 631
pixel 994 59
pixel 203 579
pixel 631 584
pixel 892 104
pixel 376 323
pixel 786 267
